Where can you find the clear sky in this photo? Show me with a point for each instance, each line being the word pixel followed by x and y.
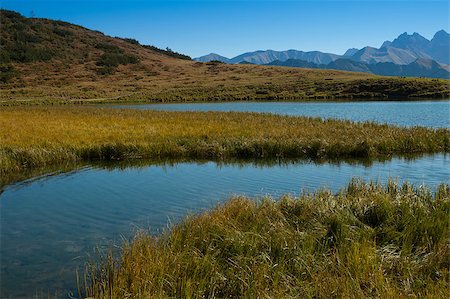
pixel 233 27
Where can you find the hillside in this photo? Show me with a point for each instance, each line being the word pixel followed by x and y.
pixel 421 67
pixel 51 61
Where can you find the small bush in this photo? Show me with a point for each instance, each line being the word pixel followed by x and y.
pixel 7 73
pixel 168 52
pixel 62 32
pixel 26 53
pixel 112 57
pixel 131 41
pixel 109 48
pixel 106 70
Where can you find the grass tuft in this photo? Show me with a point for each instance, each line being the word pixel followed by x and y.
pixel 366 241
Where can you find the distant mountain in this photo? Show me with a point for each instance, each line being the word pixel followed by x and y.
pixel 264 57
pixel 386 44
pixel 415 43
pixel 212 57
pixel 406 49
pixel 297 63
pixel 350 52
pixel 403 50
pixel 421 67
pixel 267 56
pixel 349 65
pixel 385 54
pixel 439 47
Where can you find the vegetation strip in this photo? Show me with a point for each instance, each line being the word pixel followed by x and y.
pixel 367 241
pixel 40 136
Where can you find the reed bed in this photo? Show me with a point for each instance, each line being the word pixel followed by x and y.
pixel 41 136
pixel 367 241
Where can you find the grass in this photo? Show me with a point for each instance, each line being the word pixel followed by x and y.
pixel 41 136
pixel 367 241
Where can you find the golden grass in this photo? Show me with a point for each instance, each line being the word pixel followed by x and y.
pixel 39 136
pixel 368 241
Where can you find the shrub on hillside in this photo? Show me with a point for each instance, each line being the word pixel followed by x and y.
pixel 112 57
pixel 7 73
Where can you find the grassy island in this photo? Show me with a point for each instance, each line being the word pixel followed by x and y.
pixel 367 241
pixel 42 136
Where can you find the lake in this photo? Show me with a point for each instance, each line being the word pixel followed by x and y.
pixel 50 224
pixel 435 114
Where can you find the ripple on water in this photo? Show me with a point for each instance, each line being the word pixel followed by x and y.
pixel 48 223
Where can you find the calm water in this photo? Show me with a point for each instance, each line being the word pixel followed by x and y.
pixel 49 225
pixel 434 114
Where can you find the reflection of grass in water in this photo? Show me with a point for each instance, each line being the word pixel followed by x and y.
pixel 366 241
pixel 33 137
pixel 27 176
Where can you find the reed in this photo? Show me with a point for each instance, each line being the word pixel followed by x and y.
pixel 366 241
pixel 41 136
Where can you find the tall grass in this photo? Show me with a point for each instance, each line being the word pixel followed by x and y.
pixel 40 136
pixel 366 241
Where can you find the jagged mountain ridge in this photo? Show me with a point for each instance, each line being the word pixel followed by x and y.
pixel 267 56
pixel 408 48
pixel 404 50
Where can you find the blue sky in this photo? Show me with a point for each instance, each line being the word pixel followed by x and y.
pixel 233 27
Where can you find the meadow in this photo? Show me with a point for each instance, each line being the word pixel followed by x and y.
pixel 41 136
pixel 367 241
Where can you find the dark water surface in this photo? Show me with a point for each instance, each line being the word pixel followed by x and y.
pixel 49 225
pixel 434 114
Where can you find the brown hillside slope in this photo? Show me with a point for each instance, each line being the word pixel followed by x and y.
pixel 46 61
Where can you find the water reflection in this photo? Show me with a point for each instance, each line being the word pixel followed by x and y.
pixel 28 176
pixel 50 223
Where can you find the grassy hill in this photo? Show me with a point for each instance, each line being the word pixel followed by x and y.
pixel 45 61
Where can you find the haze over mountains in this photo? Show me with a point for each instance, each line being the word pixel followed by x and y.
pixel 407 55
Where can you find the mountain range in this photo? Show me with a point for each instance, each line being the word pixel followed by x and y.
pixel 407 55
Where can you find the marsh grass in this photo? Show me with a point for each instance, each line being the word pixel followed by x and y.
pixel 41 136
pixel 366 241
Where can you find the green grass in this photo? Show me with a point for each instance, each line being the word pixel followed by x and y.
pixel 42 136
pixel 367 241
